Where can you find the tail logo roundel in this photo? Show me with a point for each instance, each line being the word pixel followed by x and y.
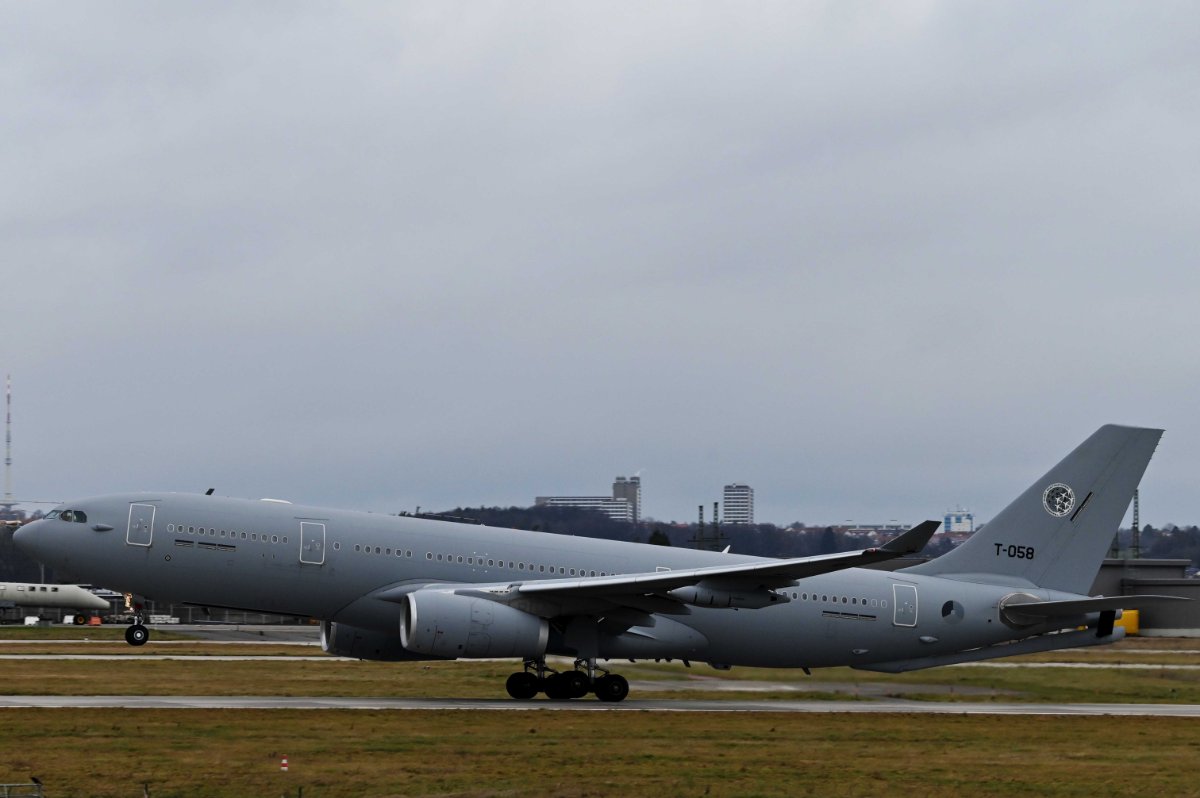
pixel 1058 499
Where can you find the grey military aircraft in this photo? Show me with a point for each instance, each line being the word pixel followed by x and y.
pixel 404 588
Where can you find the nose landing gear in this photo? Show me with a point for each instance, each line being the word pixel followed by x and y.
pixel 136 634
pixel 536 678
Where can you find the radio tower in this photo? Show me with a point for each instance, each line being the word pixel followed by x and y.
pixel 8 502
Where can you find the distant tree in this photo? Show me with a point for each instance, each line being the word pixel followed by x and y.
pixel 659 538
pixel 829 541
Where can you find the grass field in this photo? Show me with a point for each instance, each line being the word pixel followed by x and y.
pixel 461 753
pixel 468 753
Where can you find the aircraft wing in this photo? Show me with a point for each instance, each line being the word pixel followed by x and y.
pixel 745 585
pixel 770 573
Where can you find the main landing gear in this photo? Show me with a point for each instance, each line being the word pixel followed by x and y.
pixel 536 678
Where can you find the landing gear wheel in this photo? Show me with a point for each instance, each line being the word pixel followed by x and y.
pixel 575 683
pixel 612 687
pixel 80 620
pixel 522 685
pixel 137 635
pixel 556 687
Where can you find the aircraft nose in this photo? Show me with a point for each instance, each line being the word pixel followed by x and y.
pixel 25 536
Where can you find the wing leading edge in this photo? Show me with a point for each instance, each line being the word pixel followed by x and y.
pixel 736 577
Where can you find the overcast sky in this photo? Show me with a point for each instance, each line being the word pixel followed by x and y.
pixel 875 260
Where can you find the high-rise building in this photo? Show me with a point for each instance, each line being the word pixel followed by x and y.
pixel 958 520
pixel 739 503
pixel 631 491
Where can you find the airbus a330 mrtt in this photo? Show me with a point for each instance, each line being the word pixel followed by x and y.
pixel 403 588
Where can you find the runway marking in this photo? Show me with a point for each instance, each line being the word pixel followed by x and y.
pixel 134 657
pixel 632 705
pixel 178 657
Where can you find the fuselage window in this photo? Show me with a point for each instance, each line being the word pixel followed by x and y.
pixel 591 573
pixel 243 536
pixel 572 572
pixel 853 601
pixel 542 568
pixel 170 527
pixel 274 538
pixel 491 563
pixel 284 539
pixel 439 558
pixel 222 533
pixel 356 547
pixel 254 537
pixel 387 551
pixel 460 559
pixel 212 533
pixel 336 546
pixel 429 555
pixel 824 598
pixel 376 549
pixel 408 552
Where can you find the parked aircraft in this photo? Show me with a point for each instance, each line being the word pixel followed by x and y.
pixel 26 594
pixel 403 588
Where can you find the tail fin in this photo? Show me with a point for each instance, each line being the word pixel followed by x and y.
pixel 1056 533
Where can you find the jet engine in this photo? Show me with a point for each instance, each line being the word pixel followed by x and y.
pixel 444 624
pixel 351 641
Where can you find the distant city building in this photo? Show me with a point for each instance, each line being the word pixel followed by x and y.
pixel 739 504
pixel 958 520
pixel 631 491
pixel 625 504
pixel 616 509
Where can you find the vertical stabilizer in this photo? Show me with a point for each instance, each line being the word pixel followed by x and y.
pixel 1056 533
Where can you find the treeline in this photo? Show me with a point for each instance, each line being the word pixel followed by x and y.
pixel 1171 543
pixel 763 540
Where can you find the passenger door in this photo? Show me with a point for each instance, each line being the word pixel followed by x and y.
pixel 141 525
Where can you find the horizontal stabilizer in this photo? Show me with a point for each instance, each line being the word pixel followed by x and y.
pixel 1035 611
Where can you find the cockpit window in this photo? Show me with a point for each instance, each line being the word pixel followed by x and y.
pixel 50 516
pixel 78 516
pixel 68 515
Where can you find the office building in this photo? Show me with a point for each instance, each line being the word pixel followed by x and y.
pixel 739 504
pixel 631 491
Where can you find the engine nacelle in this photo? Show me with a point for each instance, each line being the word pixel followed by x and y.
pixel 351 641
pixel 444 624
pixel 705 594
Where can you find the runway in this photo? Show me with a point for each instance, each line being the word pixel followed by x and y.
pixel 632 705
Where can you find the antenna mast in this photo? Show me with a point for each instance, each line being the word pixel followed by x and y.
pixel 8 502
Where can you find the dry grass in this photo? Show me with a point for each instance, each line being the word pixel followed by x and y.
pixel 459 753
